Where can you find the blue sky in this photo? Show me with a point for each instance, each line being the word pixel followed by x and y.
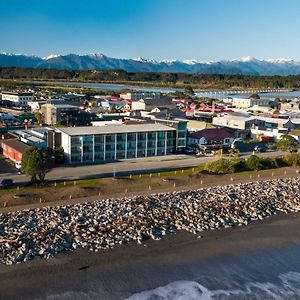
pixel 159 29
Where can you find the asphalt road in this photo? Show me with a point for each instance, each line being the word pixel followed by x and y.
pixel 126 167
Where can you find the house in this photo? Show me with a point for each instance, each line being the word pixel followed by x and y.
pixel 18 98
pixel 269 123
pixel 36 105
pixel 138 105
pixel 292 105
pixel 249 102
pixel 234 121
pixel 14 149
pixel 196 125
pixel 141 95
pixel 219 137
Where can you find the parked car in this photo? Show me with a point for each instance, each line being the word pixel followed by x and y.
pixel 18 166
pixel 6 183
pixel 259 149
pixel 191 151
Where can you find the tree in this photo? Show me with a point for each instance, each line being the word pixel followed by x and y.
pixel 286 143
pixel 59 150
pixel 254 163
pixel 39 117
pixel 221 166
pixel 34 164
pixel 254 96
pixel 189 91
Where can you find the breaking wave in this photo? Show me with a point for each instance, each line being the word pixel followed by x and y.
pixel 288 287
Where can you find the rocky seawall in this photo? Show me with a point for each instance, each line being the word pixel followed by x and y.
pixel 44 232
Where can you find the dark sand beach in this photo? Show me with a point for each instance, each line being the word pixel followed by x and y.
pixel 129 269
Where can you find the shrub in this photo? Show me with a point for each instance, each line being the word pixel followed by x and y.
pixel 292 159
pixel 286 143
pixel 255 96
pixel 268 163
pixel 239 165
pixel 234 152
pixel 254 163
pixel 279 162
pixel 221 166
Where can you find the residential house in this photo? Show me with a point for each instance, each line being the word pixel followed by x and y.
pixel 211 137
pixel 234 121
pixel 36 105
pixel 293 105
pixel 245 103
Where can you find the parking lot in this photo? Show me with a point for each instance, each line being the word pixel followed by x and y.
pixel 7 167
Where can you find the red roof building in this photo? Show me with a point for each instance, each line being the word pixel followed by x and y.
pixel 211 136
pixel 13 149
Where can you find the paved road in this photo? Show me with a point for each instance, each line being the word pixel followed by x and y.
pixel 126 167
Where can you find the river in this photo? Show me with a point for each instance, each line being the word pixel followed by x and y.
pixel 218 94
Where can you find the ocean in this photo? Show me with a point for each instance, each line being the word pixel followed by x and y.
pixel 272 274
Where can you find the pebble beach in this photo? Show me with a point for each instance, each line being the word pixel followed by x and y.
pixel 106 223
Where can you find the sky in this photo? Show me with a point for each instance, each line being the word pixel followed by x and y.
pixel 204 30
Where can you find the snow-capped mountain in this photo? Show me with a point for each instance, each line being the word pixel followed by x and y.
pixel 97 61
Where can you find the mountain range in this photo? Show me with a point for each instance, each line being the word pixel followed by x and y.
pixel 94 61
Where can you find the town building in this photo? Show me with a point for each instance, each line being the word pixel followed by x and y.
pixel 233 121
pixel 18 98
pixel 35 137
pixel 35 106
pixel 211 137
pixel 13 149
pixel 97 144
pixel 57 111
pixel 196 125
pixel 249 102
pixel 141 95
pixel 293 105
pixel 138 105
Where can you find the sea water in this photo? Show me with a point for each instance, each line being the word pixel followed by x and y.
pixel 268 274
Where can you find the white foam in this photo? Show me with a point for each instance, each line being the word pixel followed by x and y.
pixel 190 290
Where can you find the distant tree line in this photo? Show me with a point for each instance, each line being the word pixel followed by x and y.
pixel 171 79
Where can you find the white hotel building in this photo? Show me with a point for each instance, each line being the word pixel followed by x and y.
pixel 96 144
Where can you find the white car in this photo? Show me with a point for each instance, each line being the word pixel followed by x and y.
pixel 18 166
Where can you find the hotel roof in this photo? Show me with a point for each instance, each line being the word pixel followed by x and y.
pixel 115 128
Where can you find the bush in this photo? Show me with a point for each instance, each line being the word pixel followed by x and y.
pixel 254 163
pixel 286 143
pixel 268 163
pixel 239 165
pixel 292 159
pixel 255 96
pixel 221 166
pixel 234 152
pixel 279 162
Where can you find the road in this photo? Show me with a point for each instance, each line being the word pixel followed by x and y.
pixel 125 167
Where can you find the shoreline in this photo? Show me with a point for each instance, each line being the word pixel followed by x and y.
pixel 106 223
pixel 129 269
pixel 117 271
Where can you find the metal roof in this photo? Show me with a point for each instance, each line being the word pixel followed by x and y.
pixel 16 144
pixel 111 129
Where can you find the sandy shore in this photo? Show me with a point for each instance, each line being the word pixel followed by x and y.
pixel 128 269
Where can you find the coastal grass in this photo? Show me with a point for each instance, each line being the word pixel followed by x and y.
pixel 96 188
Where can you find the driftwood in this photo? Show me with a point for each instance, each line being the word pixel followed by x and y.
pixel 9 240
